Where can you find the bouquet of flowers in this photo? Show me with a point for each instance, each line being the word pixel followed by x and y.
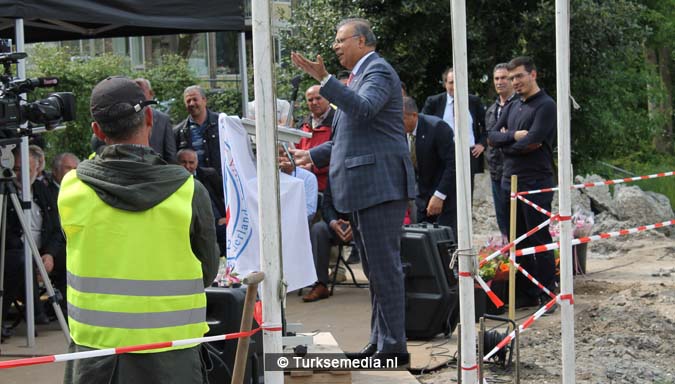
pixel 226 276
pixel 497 268
pixel 582 224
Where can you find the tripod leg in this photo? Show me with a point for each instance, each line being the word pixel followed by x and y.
pixel 41 267
pixel 3 238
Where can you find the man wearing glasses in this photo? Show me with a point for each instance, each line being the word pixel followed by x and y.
pixel 370 174
pixel 526 132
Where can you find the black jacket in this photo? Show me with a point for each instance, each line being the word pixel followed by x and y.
pixel 181 132
pixel 213 183
pixel 53 241
pixel 435 105
pixel 532 157
pixel 435 152
pixel 495 157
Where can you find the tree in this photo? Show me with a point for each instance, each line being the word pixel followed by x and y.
pixel 609 77
pixel 659 50
pixel 80 76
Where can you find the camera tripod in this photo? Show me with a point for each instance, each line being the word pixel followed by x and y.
pixel 8 194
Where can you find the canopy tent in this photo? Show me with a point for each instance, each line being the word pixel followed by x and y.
pixel 32 21
pixel 55 20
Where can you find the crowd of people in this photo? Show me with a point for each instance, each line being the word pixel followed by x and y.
pixel 377 161
pixel 374 161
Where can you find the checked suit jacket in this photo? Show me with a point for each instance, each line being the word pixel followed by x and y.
pixel 368 153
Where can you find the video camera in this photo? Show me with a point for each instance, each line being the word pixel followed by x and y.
pixel 50 111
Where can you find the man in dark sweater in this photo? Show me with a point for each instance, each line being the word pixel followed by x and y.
pixel 495 158
pixel 526 132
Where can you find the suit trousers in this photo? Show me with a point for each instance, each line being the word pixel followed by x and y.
pixel 377 234
pixel 322 239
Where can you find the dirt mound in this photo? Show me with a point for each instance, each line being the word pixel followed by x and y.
pixel 621 336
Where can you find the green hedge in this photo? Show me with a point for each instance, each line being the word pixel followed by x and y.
pixel 79 76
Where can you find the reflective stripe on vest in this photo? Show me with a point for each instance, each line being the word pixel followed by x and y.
pixel 135 287
pixel 132 276
pixel 136 320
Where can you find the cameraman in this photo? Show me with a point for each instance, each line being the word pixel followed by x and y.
pixel 141 248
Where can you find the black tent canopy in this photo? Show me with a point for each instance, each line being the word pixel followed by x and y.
pixel 55 20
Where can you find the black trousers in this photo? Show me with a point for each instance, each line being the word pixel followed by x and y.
pixel 540 265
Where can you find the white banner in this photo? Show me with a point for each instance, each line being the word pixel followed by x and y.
pixel 241 199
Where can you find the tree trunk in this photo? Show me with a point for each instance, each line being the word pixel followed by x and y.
pixel 666 144
pixel 663 140
pixel 186 44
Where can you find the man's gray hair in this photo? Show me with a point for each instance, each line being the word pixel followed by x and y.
pixel 193 88
pixel 409 105
pixel 58 159
pixel 501 66
pixel 125 127
pixel 36 152
pixel 186 150
pixel 362 27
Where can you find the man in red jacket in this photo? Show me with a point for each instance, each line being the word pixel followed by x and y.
pixel 318 123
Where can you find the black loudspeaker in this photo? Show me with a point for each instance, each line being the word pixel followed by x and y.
pixel 431 290
pixel 224 307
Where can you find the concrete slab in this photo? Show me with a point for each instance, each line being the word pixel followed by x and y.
pixel 49 341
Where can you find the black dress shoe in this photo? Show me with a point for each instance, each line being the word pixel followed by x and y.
pixel 41 318
pixel 353 258
pixel 526 301
pixel 6 333
pixel 543 300
pixel 367 351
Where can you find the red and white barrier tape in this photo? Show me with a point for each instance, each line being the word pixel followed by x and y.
pixel 601 183
pixel 532 279
pixel 493 297
pixel 521 328
pixel 535 206
pixel 582 240
pixel 133 348
pixel 505 249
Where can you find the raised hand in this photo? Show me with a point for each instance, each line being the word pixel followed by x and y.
pixel 316 69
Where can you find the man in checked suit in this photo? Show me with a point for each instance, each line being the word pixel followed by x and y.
pixel 371 174
pixel 441 105
pixel 434 161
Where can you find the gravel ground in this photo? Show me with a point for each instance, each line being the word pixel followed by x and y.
pixel 624 323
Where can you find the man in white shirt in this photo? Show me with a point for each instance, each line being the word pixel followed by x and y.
pixel 442 105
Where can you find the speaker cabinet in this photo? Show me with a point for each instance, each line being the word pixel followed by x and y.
pixel 431 290
pixel 224 308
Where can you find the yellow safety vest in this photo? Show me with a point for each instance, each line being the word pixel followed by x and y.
pixel 132 276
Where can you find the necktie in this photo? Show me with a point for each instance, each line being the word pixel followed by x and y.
pixel 413 150
pixel 351 77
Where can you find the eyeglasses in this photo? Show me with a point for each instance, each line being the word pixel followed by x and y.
pixel 518 76
pixel 340 41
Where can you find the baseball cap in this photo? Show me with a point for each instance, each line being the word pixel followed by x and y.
pixel 117 97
